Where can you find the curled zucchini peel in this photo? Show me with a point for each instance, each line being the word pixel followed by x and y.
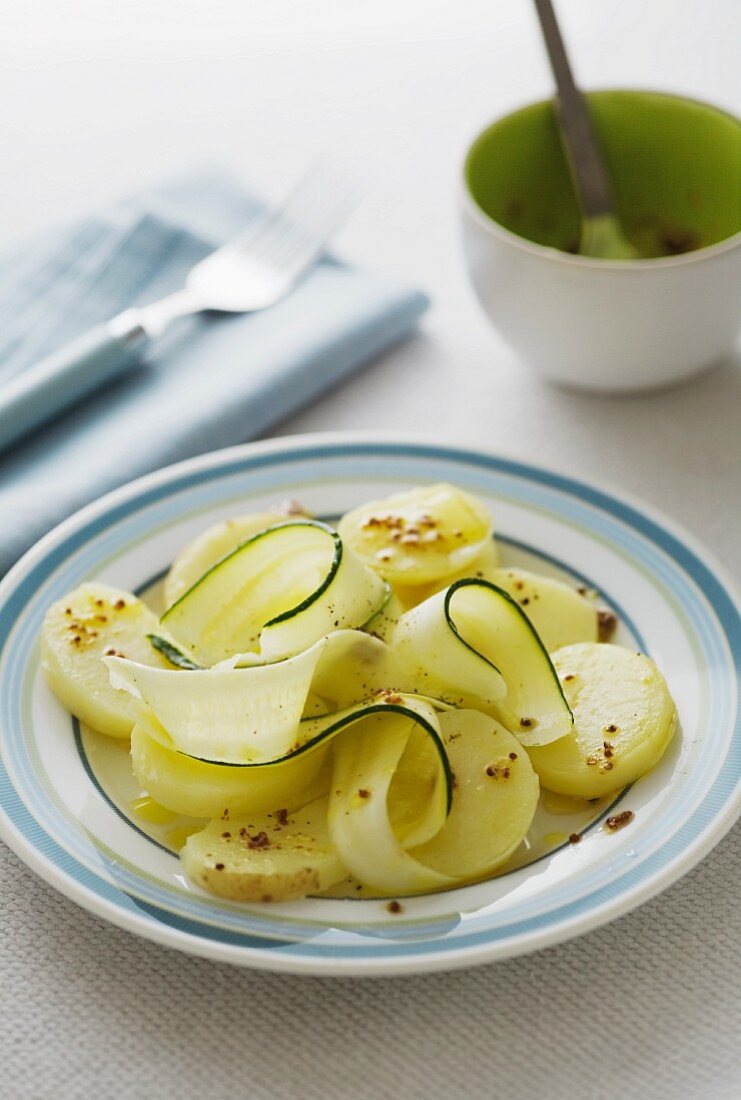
pixel 275 595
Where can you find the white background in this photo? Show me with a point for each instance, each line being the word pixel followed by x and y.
pixel 100 95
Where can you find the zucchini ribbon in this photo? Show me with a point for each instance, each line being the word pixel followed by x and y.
pixel 298 702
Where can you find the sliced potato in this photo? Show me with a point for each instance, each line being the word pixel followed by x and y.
pixel 94 621
pixel 624 719
pixel 494 798
pixel 560 615
pixel 484 566
pixel 268 857
pixel 215 543
pixel 197 788
pixel 420 536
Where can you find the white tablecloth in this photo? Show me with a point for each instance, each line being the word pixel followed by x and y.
pixel 103 94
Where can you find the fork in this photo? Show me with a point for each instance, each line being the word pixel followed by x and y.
pixel 249 273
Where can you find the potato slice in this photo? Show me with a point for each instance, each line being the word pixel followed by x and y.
pixel 94 621
pixel 624 719
pixel 269 857
pixel 560 615
pixel 494 798
pixel 418 537
pixel 215 543
pixel 484 566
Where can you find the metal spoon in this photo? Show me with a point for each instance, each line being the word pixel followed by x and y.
pixel 602 235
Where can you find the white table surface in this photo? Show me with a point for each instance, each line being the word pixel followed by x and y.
pixel 100 95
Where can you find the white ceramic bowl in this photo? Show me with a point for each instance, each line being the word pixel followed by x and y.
pixel 605 325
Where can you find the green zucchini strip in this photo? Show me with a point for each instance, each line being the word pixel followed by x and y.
pixel 369 742
pixel 474 646
pixel 494 802
pixel 171 653
pixel 360 826
pixel 197 788
pixel 276 595
pixel 384 621
pixel 253 714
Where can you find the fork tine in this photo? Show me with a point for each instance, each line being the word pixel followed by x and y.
pixel 304 223
pixel 291 234
pixel 319 182
pixel 265 222
pixel 288 245
pixel 297 245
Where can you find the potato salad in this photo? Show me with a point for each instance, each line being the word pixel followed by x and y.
pixel 379 702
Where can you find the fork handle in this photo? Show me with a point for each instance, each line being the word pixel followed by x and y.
pixel 68 375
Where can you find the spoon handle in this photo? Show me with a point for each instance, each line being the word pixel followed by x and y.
pixel 576 126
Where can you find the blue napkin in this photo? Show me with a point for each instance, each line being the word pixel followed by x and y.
pixel 210 382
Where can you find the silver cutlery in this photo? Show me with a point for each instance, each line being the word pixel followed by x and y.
pixel 251 272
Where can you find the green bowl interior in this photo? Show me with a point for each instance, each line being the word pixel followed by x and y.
pixel 675 166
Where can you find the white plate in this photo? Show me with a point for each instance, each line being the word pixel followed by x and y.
pixel 66 795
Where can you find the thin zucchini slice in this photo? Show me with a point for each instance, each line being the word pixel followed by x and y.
pixel 211 546
pixel 383 623
pixel 360 821
pixel 411 796
pixel 420 536
pixel 198 788
pixel 474 646
pixel 494 798
pixel 94 620
pixel 276 594
pixel 171 653
pixel 624 720
pixel 248 715
pixel 367 828
pixel 265 857
pixel 373 738
pixel 386 712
